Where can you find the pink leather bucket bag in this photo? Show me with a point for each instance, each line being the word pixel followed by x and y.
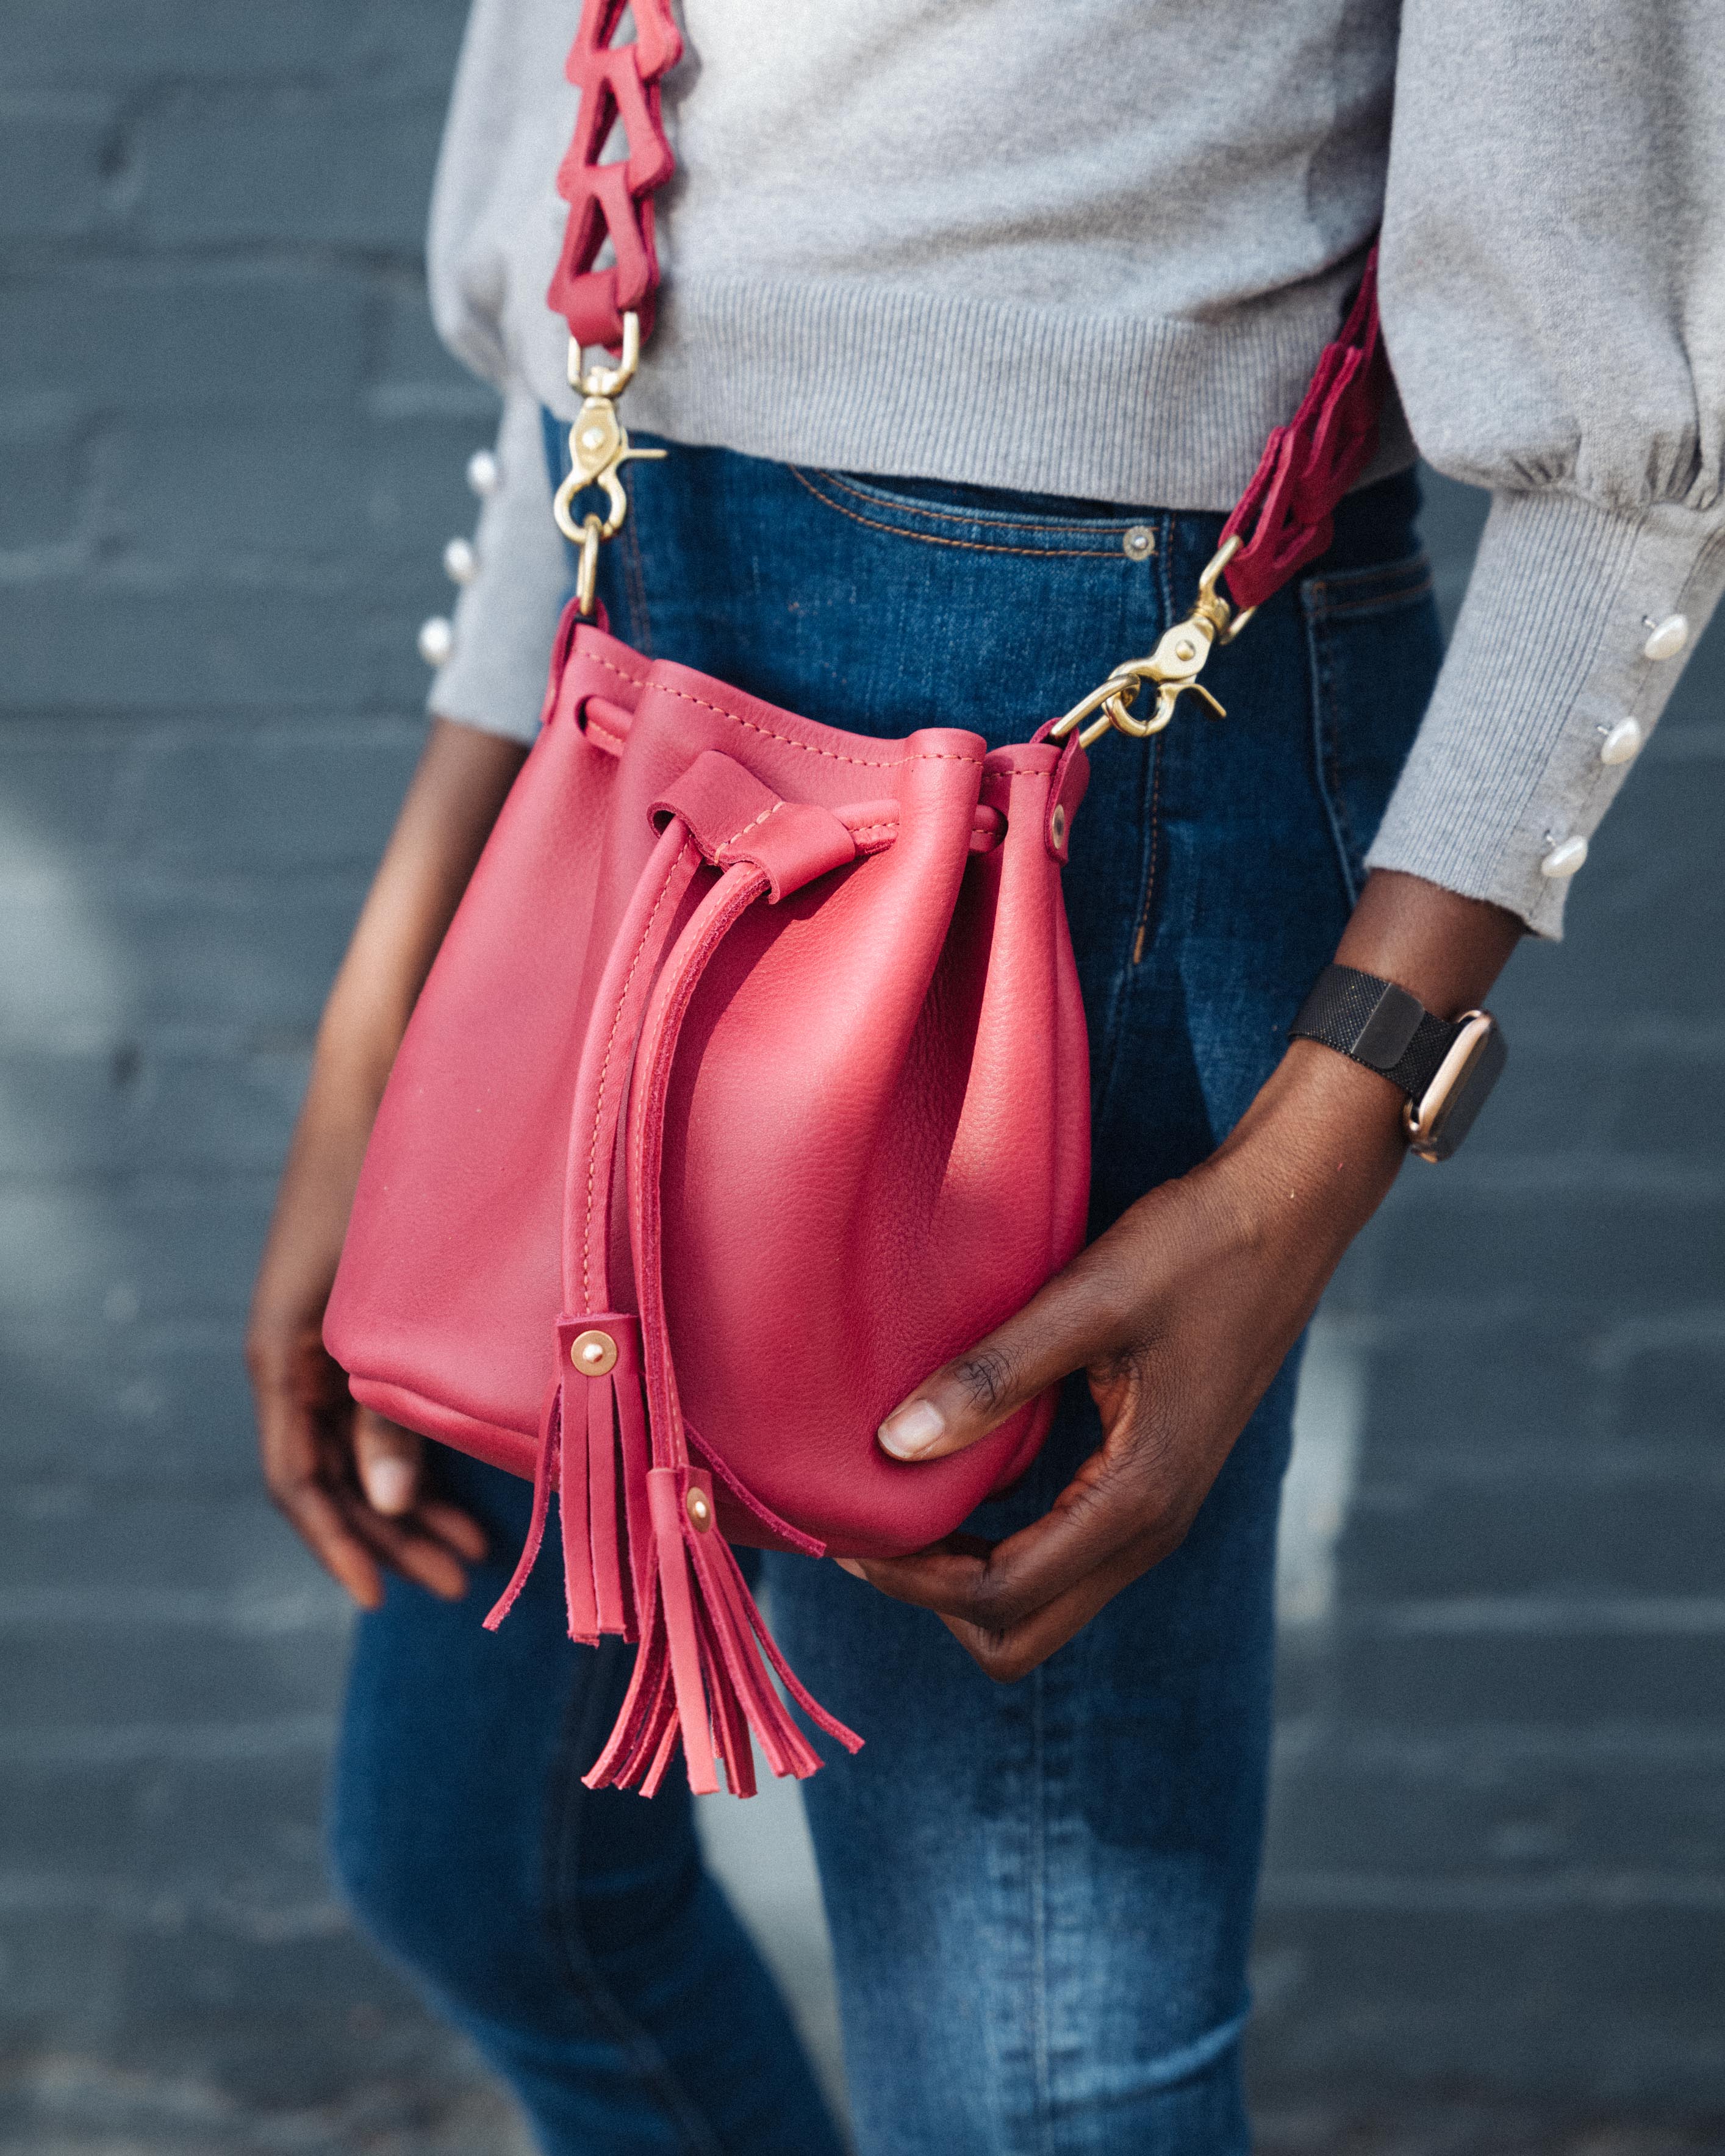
pixel 751 1082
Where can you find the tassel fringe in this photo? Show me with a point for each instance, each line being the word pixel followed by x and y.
pixel 642 1555
pixel 700 1675
pixel 644 1560
pixel 592 1451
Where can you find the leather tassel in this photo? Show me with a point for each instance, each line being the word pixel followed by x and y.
pixel 575 1467
pixel 701 1675
pixel 544 1473
pixel 592 1451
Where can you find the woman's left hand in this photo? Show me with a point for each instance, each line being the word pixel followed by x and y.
pixel 1182 1313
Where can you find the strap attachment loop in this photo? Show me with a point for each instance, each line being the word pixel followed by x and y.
pixel 600 447
pixel 1173 666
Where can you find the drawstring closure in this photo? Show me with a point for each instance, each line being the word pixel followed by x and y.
pixel 642 1555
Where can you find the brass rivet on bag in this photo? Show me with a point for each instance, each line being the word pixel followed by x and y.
pixel 592 1353
pixel 1057 824
pixel 700 1513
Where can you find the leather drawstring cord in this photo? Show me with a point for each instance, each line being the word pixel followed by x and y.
pixel 643 1555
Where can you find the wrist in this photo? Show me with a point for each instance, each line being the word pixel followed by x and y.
pixel 1318 1151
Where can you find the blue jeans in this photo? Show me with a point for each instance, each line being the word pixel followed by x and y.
pixel 1040 1895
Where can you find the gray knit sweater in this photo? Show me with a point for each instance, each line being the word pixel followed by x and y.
pixel 1094 248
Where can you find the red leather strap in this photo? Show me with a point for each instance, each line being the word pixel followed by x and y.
pixel 1286 517
pixel 1287 514
pixel 613 202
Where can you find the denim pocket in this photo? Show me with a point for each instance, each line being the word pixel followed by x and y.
pixel 988 520
pixel 1374 646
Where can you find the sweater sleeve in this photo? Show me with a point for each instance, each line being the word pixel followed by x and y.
pixel 1553 293
pixel 494 678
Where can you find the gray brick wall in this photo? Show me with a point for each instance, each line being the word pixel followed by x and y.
pixel 229 451
pixel 1497 1866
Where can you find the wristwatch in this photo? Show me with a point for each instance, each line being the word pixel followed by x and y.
pixel 1445 1066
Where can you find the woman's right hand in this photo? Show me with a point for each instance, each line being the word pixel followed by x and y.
pixel 354 1485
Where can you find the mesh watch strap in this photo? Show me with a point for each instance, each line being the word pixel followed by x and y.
pixel 1375 1022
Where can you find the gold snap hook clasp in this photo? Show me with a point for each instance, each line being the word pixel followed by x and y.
pixel 599 447
pixel 1172 667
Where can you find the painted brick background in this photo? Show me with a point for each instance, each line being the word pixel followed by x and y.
pixel 229 452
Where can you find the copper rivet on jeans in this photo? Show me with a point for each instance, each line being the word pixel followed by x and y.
pixel 700 1513
pixel 1057 824
pixel 592 1353
pixel 1139 542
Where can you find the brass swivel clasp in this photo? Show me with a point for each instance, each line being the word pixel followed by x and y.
pixel 600 447
pixel 1173 667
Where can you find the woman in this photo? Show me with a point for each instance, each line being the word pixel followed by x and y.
pixel 975 320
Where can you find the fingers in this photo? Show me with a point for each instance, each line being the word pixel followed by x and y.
pixel 327 1470
pixel 1009 1655
pixel 404 1546
pixel 460 1530
pixel 420 1536
pixel 389 1459
pixel 1095 1518
pixel 1074 1321
pixel 995 1604
pixel 323 1525
pixel 1025 1596
pixel 293 1445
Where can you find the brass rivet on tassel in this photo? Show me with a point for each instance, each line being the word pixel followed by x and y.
pixel 700 1513
pixel 592 1353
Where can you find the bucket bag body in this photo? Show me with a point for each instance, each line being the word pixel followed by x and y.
pixel 750 1084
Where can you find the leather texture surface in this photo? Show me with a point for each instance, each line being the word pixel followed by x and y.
pixel 613 202
pixel 754 1066
pixel 766 1033
pixel 1286 517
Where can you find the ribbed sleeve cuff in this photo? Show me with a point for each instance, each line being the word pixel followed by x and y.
pixel 495 680
pixel 1551 655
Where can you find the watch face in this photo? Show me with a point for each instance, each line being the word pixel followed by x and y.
pixel 1459 1091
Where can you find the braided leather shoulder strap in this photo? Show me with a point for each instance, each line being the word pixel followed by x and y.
pixel 1287 515
pixel 1283 520
pixel 613 202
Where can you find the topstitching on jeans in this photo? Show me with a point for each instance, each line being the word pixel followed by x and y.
pixel 634 584
pixel 963 546
pixel 1378 589
pixel 1379 586
pixel 883 497
pixel 1039 1892
pixel 582 1733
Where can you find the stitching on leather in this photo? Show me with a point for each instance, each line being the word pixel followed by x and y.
pixel 749 826
pixel 964 545
pixel 834 755
pixel 592 1151
pixel 650 1141
pixel 969 517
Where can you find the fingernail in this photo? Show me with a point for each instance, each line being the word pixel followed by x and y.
pixel 908 1432
pixel 850 1565
pixel 389 1485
